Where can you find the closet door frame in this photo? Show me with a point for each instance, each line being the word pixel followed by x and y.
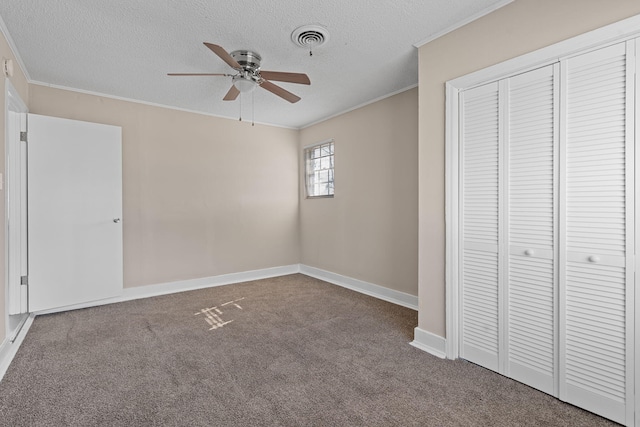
pixel 614 33
pixel 618 32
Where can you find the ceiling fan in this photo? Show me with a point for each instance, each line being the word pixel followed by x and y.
pixel 249 76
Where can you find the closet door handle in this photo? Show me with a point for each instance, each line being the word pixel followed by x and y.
pixel 529 252
pixel 594 258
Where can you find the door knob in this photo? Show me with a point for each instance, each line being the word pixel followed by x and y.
pixel 116 220
pixel 529 252
pixel 594 258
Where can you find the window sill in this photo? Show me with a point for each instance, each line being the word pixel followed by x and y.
pixel 320 197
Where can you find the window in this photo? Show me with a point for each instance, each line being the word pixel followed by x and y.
pixel 319 169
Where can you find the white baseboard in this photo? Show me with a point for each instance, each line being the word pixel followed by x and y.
pixel 128 294
pixel 148 291
pixel 380 292
pixel 207 282
pixel 8 348
pixel 431 343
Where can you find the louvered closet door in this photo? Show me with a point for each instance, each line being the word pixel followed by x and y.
pixel 531 326
pixel 597 271
pixel 479 225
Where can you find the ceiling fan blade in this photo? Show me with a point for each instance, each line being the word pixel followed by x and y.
pixel 223 54
pixel 232 94
pixel 199 74
pixel 280 76
pixel 282 93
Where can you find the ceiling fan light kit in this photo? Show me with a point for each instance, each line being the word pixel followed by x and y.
pixel 244 84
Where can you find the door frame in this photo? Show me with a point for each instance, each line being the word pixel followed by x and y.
pixel 16 296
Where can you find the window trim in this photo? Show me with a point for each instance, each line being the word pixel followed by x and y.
pixel 305 150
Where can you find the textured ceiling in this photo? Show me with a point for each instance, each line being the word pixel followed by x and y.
pixel 125 48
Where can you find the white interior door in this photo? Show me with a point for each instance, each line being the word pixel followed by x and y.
pixel 480 268
pixel 508 228
pixel 75 207
pixel 597 228
pixel 531 228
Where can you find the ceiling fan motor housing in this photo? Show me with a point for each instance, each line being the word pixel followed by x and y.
pixel 249 60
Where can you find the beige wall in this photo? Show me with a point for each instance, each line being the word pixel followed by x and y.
pixel 202 196
pixel 19 81
pixel 518 28
pixel 368 231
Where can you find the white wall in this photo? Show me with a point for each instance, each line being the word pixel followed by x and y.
pixel 369 229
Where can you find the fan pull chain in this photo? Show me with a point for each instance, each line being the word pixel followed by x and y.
pixel 240 106
pixel 253 108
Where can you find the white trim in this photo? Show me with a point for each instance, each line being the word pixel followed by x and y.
pixel 464 22
pixel 429 342
pixel 636 279
pixel 12 96
pixel 630 190
pixel 152 104
pixel 12 335
pixel 138 292
pixel 14 103
pixel 364 104
pixel 315 144
pixel 8 348
pixel 560 222
pixel 14 49
pixel 376 291
pixel 557 206
pixel 16 298
pixel 503 225
pixel 148 291
pixel 186 110
pixel 636 263
pixel 451 220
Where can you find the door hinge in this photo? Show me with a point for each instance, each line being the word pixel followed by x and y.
pixel 23 136
pixel 24 280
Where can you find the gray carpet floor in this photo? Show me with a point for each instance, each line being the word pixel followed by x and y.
pixel 288 351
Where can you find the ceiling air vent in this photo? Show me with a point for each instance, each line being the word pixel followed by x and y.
pixel 310 37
